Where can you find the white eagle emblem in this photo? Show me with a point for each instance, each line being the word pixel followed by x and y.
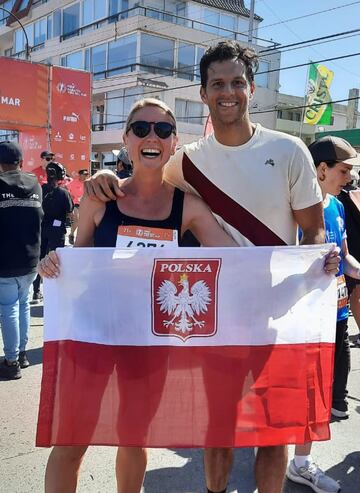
pixel 184 305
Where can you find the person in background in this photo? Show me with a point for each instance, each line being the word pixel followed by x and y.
pixel 334 159
pixel 76 190
pixel 123 164
pixel 20 221
pixel 350 198
pixel 40 172
pixel 57 206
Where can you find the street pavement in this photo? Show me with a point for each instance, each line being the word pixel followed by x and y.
pixel 22 465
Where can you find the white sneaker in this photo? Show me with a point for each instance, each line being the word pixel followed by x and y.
pixel 312 476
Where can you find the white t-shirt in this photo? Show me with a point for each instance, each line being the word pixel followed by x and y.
pixel 252 189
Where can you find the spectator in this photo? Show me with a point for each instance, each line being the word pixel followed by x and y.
pixel 123 164
pixel 76 189
pixel 20 219
pixel 40 172
pixel 57 206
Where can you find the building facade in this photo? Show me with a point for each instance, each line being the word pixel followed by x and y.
pixel 138 48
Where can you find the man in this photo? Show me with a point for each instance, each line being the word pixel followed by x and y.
pixel 20 219
pixel 76 190
pixel 40 172
pixel 260 184
pixel 57 206
pixel 123 164
pixel 350 198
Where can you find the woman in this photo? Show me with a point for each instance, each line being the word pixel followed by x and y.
pixel 150 138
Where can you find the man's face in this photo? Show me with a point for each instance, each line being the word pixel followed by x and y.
pixel 46 160
pixel 227 92
pixel 337 177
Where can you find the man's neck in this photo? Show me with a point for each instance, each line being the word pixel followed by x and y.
pixel 234 135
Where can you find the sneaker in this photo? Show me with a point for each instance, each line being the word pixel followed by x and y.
pixel 37 297
pixel 312 476
pixel 10 371
pixel 23 361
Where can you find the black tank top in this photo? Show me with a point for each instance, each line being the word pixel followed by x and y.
pixel 106 232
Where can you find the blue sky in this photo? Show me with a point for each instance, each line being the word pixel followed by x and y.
pixel 347 72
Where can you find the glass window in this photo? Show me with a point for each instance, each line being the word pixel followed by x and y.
pixel 71 18
pixel 227 22
pixel 19 40
pixel 117 6
pixel 211 17
pixel 98 61
pixel 3 14
pixel 199 53
pixel 262 77
pixel 122 54
pixel 75 60
pixel 157 54
pixel 188 111
pixel 186 61
pixel 131 95
pixel 100 9
pixel 30 33
pixel 157 7
pixel 87 12
pixel 40 31
pixel 115 109
pixel 49 26
pixel 87 60
pixel 57 23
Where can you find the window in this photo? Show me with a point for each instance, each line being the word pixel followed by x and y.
pixel 40 31
pixel 199 53
pixel 262 79
pixel 74 60
pixel 118 105
pixel 93 10
pixel 122 53
pixel 211 17
pixel 98 61
pixel 227 22
pixel 57 23
pixel 71 18
pixel 188 111
pixel 157 54
pixel 186 61
pixel 49 26
pixel 3 14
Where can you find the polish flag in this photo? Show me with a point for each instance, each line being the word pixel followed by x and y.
pixel 189 347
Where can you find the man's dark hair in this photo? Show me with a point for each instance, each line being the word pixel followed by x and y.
pixel 229 50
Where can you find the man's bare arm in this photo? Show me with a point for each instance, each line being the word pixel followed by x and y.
pixel 311 222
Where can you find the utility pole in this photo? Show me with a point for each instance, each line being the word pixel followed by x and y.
pixel 251 21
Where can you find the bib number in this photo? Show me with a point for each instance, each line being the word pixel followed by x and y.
pixel 342 292
pixel 142 237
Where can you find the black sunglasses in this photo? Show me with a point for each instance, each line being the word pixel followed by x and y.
pixel 49 159
pixel 162 129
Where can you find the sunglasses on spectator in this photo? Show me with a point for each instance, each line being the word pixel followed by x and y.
pixel 162 129
pixel 49 158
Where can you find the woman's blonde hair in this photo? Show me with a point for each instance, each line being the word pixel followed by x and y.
pixel 143 103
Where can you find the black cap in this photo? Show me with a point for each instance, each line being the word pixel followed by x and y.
pixel 333 149
pixel 55 170
pixel 47 154
pixel 10 153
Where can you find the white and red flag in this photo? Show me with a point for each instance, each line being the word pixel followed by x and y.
pixel 189 347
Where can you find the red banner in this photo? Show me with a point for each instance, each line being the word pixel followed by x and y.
pixel 32 143
pixel 70 118
pixel 23 94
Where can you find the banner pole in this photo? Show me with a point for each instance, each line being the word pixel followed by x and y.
pixel 305 100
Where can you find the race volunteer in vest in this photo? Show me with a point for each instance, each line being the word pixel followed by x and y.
pixel 20 220
pixel 260 184
pixel 153 206
pixel 334 158
pixel 57 206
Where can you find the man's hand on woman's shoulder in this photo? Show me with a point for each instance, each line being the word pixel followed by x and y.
pixel 104 185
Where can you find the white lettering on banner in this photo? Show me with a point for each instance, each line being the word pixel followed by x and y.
pixel 142 237
pixel 10 101
pixel 185 268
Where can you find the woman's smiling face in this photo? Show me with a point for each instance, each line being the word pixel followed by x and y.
pixel 150 151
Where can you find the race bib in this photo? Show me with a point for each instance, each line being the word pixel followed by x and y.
pixel 140 236
pixel 342 292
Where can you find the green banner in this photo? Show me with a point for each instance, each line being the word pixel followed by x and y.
pixel 318 109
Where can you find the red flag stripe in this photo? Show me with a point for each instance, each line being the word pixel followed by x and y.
pixel 184 397
pixel 227 208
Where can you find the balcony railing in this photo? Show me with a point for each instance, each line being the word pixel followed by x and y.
pixel 166 17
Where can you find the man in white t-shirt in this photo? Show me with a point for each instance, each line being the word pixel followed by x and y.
pixel 259 183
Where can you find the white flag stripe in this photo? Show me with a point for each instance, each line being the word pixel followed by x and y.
pixel 266 295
